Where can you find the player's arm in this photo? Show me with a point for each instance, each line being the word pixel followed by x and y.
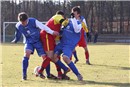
pixel 17 36
pixel 84 25
pixel 77 25
pixel 47 29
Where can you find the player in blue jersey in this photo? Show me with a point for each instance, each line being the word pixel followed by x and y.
pixel 70 37
pixel 82 43
pixel 29 28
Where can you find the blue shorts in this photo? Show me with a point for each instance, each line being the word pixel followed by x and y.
pixel 32 46
pixel 65 49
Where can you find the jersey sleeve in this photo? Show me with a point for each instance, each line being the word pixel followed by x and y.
pixel 17 36
pixel 77 25
pixel 43 27
pixel 84 25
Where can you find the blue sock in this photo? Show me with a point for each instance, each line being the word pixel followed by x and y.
pixel 75 55
pixel 48 70
pixel 60 64
pixel 73 68
pixel 25 65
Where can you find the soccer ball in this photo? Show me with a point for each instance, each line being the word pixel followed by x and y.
pixel 36 69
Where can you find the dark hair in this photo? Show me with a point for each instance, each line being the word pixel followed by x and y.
pixel 60 12
pixel 76 8
pixel 22 16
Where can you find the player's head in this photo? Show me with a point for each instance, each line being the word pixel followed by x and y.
pixel 60 12
pixel 22 17
pixel 76 11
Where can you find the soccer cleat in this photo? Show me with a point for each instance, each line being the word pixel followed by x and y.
pixel 40 75
pixel 24 77
pixel 80 78
pixel 52 77
pixel 65 77
pixel 59 77
pixel 87 62
pixel 76 61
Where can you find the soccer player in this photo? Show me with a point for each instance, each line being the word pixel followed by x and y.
pixel 29 28
pixel 70 38
pixel 49 41
pixel 82 43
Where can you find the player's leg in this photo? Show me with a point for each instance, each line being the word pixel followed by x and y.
pixel 66 57
pixel 48 45
pixel 83 43
pixel 73 67
pixel 46 59
pixel 87 55
pixel 25 61
pixel 58 52
pixel 50 54
pixel 59 69
pixel 48 70
pixel 45 64
pixel 60 64
pixel 49 75
pixel 75 56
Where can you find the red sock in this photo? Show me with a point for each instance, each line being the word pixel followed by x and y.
pixel 87 55
pixel 45 63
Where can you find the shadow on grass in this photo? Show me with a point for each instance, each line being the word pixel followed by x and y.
pixel 88 82
pixel 74 83
pixel 106 83
pixel 112 67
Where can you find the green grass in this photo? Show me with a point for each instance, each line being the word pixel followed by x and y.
pixel 110 67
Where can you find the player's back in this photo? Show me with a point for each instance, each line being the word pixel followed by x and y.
pixel 69 36
pixel 54 22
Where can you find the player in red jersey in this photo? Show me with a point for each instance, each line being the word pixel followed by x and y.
pixel 49 41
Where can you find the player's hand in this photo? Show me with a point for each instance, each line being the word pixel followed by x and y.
pixel 55 33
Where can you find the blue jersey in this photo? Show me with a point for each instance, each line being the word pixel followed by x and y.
pixel 68 41
pixel 30 32
pixel 69 36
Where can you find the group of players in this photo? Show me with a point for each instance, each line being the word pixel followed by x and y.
pixel 73 32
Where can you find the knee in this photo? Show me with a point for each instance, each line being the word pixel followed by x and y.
pixel 43 57
pixel 67 60
pixel 55 58
pixel 27 54
pixel 85 48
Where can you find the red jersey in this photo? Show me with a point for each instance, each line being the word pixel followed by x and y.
pixel 48 40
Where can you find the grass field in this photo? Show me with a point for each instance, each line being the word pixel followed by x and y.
pixel 110 67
